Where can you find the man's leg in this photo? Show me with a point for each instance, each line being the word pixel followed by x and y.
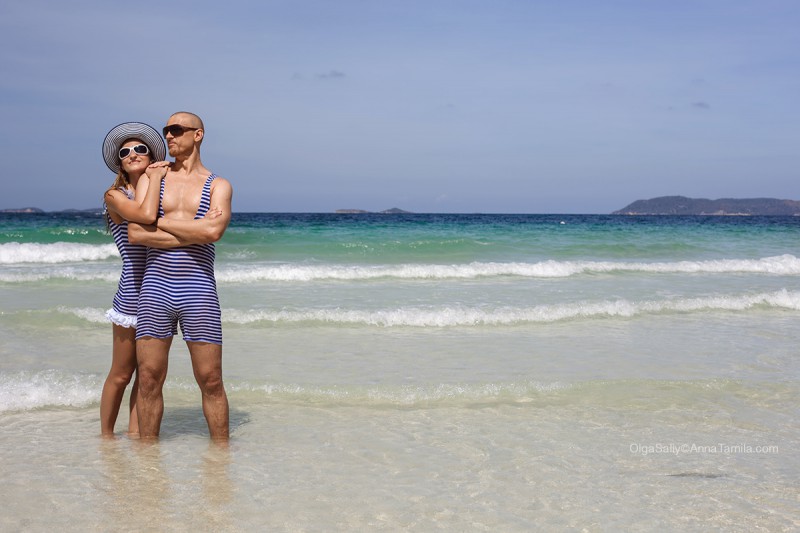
pixel 207 366
pixel 153 356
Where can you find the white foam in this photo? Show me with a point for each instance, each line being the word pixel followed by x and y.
pixel 27 391
pixel 58 252
pixel 520 392
pixel 27 254
pixel 90 314
pixel 779 265
pixel 19 274
pixel 48 388
pixel 450 316
pixel 606 392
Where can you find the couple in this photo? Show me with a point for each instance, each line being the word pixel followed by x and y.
pixel 164 218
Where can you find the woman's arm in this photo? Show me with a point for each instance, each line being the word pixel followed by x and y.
pixel 144 207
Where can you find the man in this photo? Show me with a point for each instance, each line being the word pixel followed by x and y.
pixel 179 285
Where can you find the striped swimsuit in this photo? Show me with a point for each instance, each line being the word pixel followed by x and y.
pixel 179 288
pixel 123 309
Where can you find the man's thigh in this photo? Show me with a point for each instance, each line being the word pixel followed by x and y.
pixel 206 360
pixel 152 355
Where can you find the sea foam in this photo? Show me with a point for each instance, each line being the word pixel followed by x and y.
pixel 49 388
pixel 58 252
pixel 52 389
pixel 778 265
pixel 25 255
pixel 451 316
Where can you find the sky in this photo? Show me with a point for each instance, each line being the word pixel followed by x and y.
pixel 432 106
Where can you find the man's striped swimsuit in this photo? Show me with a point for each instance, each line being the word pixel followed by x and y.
pixel 179 287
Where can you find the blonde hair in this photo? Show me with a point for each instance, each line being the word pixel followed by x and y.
pixel 121 181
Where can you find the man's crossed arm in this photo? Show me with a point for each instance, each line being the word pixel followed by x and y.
pixel 171 233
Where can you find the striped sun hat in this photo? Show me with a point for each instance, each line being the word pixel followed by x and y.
pixel 132 130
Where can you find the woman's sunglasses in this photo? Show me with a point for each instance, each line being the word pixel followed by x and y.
pixel 176 130
pixel 140 149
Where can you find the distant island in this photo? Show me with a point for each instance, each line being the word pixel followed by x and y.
pixel 662 205
pixel 392 211
pixel 36 211
pixel 22 210
pixel 681 205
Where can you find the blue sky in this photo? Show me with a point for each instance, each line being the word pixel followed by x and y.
pixel 432 106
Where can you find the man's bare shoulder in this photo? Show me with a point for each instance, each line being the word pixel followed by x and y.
pixel 219 181
pixel 221 193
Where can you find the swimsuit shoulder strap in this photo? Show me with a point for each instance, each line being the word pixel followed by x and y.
pixel 160 200
pixel 205 198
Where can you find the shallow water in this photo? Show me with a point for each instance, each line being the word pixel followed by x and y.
pixel 428 372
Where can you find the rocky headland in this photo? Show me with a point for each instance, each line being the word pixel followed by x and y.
pixel 681 205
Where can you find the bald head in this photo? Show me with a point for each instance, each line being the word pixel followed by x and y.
pixel 189 119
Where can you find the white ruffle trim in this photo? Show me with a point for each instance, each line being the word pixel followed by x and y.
pixel 126 321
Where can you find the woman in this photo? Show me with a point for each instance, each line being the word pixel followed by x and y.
pixel 132 151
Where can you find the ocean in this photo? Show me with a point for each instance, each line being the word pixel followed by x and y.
pixel 422 373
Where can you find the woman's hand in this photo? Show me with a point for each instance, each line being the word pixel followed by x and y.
pixel 158 170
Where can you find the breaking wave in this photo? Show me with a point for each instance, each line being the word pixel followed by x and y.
pixel 457 316
pixel 12 253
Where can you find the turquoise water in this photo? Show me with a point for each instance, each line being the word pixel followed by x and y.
pixel 421 372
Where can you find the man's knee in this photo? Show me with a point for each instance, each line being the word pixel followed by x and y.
pixel 210 381
pixel 152 355
pixel 151 379
pixel 207 366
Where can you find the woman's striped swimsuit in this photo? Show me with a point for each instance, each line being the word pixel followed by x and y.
pixel 123 309
pixel 179 288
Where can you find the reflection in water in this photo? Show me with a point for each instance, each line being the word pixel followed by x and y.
pixel 161 486
pixel 138 486
pixel 216 485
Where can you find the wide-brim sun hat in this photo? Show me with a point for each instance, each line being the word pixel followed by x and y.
pixel 132 130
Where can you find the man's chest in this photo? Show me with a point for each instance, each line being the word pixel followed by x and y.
pixel 181 198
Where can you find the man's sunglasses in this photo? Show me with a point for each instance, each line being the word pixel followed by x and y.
pixel 140 149
pixel 176 130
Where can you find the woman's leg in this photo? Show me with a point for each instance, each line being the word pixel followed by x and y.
pixel 123 365
pixel 133 420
